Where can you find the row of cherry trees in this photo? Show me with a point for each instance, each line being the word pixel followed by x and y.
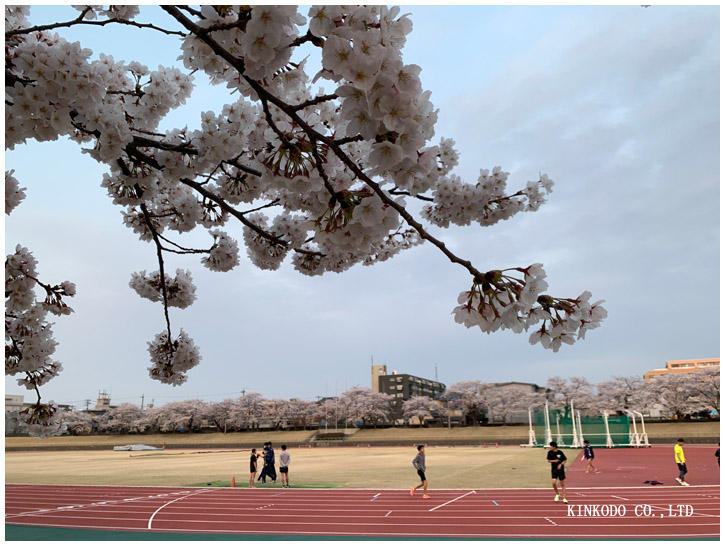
pixel 674 395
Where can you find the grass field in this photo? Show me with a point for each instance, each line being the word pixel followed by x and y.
pixel 202 439
pixel 515 433
pixel 362 467
pixel 693 429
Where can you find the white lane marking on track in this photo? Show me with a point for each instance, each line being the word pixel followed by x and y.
pixel 547 519
pixel 452 500
pixel 151 519
pixel 92 504
pixel 616 497
pixel 55 486
pixel 375 496
pixel 389 512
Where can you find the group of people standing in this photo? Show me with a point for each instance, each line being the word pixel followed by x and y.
pixel 268 465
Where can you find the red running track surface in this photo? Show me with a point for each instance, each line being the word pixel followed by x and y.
pixel 623 467
pixel 373 513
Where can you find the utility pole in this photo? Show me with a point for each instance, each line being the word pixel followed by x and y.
pixel 88 403
pixel 142 402
pixel 243 392
pixel 436 370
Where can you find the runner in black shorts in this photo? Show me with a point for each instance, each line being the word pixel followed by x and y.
pixel 419 464
pixel 557 458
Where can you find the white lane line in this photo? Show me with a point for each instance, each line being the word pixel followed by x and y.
pixel 452 500
pixel 547 519
pixel 389 512
pixel 93 504
pixel 347 489
pixel 151 519
pixel 616 497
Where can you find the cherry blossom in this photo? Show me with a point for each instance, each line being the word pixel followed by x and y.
pixel 14 194
pixel 322 180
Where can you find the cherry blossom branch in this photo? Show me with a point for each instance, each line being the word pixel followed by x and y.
pixel 182 249
pixel 80 21
pixel 264 94
pixel 239 23
pixel 192 11
pixel 243 168
pixel 312 102
pixel 234 212
pixel 309 37
pixel 160 257
pixel 346 140
pixel 159 249
pixel 270 204
pixel 396 191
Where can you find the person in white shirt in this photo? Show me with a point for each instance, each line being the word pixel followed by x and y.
pixel 284 460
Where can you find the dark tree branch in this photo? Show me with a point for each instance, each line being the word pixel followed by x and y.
pixel 346 140
pixel 79 21
pixel 159 248
pixel 309 37
pixel 234 212
pixel 192 11
pixel 395 191
pixel 243 168
pixel 182 249
pixel 270 204
pixel 312 102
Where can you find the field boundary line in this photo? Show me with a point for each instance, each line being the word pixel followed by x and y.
pixel 151 519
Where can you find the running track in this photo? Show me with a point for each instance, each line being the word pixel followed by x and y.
pixel 510 513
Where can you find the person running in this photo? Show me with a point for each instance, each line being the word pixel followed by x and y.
pixel 717 454
pixel 419 464
pixel 589 456
pixel 253 466
pixel 681 462
pixel 557 459
pixel 284 460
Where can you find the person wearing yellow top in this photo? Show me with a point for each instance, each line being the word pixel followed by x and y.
pixel 680 460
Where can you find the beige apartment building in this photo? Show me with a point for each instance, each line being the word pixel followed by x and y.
pixel 684 366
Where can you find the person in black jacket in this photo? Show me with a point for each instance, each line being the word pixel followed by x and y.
pixel 271 472
pixel 264 473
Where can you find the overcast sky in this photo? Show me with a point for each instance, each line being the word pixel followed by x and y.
pixel 618 105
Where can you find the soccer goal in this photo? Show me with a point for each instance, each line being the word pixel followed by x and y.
pixel 568 428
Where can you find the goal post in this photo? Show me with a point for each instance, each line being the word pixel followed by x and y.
pixel 570 426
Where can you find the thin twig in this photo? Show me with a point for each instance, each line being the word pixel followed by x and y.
pixel 79 21
pixel 312 102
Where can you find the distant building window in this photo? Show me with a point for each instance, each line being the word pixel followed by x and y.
pixel 400 387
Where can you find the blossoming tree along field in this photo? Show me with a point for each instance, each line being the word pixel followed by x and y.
pixel 325 179
pixel 679 395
